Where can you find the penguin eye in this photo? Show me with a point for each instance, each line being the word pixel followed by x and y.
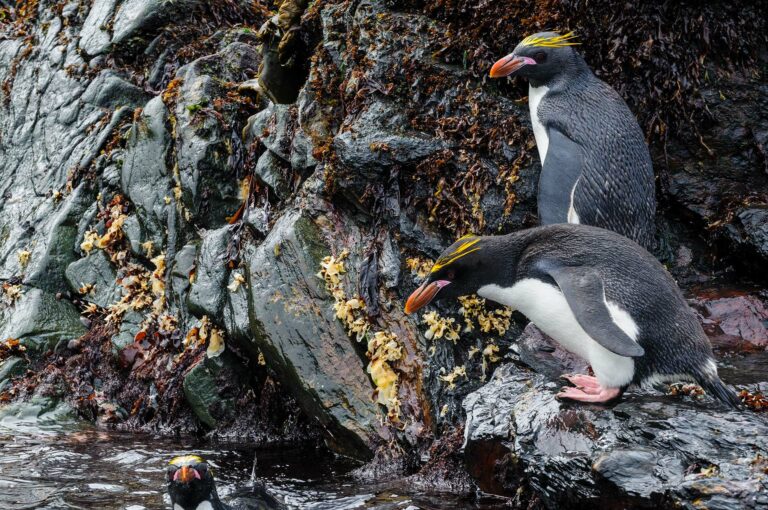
pixel 202 468
pixel 171 471
pixel 540 57
pixel 451 275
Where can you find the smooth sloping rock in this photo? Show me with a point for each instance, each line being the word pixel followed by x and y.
pixel 293 323
pixel 208 290
pixel 210 389
pixel 145 178
pixel 94 37
pixel 95 269
pixel 135 17
pixel 40 321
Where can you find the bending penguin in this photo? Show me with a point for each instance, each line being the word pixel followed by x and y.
pixel 598 294
pixel 596 168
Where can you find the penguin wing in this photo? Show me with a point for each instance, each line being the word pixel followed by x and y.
pixel 560 173
pixel 584 292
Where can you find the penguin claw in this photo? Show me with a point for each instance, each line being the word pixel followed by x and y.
pixel 600 396
pixel 586 383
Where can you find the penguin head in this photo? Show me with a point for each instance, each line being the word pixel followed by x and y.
pixel 190 482
pixel 462 269
pixel 539 57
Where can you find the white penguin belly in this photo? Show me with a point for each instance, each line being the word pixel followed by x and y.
pixel 535 95
pixel 546 307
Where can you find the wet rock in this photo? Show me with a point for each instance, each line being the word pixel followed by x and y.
pixel 142 17
pixel 40 321
pixel 754 225
pixel 712 175
pixel 96 270
pixel 135 234
pixel 11 367
pixel 184 265
pixel 129 327
pixel 735 321
pixel 377 140
pixel 145 178
pixel 210 151
pixel 38 413
pixel 210 388
pixel 273 172
pixel 94 36
pixel 641 473
pixel 274 127
pixel 109 90
pixel 645 451
pixel 49 261
pixel 293 324
pixel 208 290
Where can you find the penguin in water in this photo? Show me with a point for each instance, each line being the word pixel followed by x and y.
pixel 191 487
pixel 596 168
pixel 598 294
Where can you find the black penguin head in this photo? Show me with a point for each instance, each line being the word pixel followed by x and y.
pixel 462 269
pixel 190 482
pixel 539 57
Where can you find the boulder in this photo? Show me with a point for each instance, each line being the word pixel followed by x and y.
pixel 40 321
pixel 293 324
pixel 645 451
pixel 210 388
pixel 96 270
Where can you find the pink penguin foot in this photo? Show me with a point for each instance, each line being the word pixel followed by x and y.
pixel 593 395
pixel 586 383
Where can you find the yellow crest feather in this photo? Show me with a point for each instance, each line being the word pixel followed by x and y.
pixel 462 251
pixel 557 41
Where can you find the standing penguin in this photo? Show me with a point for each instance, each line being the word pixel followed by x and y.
pixel 596 168
pixel 598 294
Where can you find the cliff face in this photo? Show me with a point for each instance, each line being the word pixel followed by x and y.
pixel 210 219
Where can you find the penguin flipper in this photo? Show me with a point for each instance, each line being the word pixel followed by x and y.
pixel 584 292
pixel 560 173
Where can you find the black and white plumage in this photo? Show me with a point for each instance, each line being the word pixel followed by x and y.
pixel 596 293
pixel 596 168
pixel 191 487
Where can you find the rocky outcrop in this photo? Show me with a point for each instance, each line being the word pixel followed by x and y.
pixel 176 188
pixel 644 452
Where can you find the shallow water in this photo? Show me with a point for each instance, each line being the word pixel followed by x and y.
pixel 62 467
pixel 52 462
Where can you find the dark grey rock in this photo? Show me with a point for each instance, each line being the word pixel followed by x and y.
pixel 95 269
pixel 129 327
pixel 208 149
pixel 274 126
pixel 208 290
pixel 11 367
pixel 211 399
pixel 94 36
pixel 145 178
pixel 137 17
pixel 273 171
pixel 109 90
pixel 293 324
pixel 645 451
pixel 377 140
pixel 39 321
pixel 754 223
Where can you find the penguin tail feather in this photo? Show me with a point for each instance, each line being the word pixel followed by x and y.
pixel 722 392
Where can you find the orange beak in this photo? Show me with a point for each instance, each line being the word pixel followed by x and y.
pixel 509 64
pixel 424 295
pixel 186 474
